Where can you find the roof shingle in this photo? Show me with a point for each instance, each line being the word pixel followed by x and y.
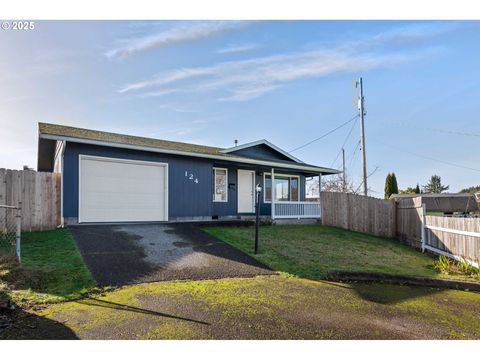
pixel 69 131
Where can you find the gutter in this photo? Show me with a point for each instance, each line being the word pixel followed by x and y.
pixel 325 171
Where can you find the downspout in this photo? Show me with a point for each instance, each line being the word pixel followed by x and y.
pixel 320 194
pixel 272 176
pixel 62 221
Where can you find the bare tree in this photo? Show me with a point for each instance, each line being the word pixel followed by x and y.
pixel 336 183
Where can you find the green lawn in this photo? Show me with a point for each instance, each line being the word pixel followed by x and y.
pixel 312 251
pixel 52 270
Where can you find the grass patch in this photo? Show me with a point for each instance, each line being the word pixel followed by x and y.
pixel 448 266
pixel 52 270
pixel 312 251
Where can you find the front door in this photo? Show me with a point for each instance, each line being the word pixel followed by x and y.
pixel 246 191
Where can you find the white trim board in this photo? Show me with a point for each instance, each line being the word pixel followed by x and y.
pixel 253 191
pixel 453 231
pixel 262 142
pixel 214 174
pixel 306 168
pixel 286 175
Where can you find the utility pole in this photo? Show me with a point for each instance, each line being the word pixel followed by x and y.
pixel 359 83
pixel 344 174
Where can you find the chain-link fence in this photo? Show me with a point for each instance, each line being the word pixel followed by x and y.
pixel 10 230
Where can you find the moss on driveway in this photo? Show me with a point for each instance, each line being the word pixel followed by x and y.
pixel 265 307
pixel 312 251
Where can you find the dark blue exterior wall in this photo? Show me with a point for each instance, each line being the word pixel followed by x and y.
pixel 186 198
pixel 263 152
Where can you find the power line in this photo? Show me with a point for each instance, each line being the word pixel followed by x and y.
pixel 446 131
pixel 346 139
pixel 324 135
pixel 428 157
pixel 357 147
pixel 373 172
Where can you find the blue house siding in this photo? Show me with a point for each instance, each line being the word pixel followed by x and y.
pixel 186 198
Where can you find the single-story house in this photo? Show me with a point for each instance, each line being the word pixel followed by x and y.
pixel 108 177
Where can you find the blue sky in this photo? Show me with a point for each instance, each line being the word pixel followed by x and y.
pixel 285 81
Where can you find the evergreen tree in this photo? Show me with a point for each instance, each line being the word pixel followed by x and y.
pixel 435 186
pixel 471 189
pixel 391 186
pixel 417 189
pixel 394 184
pixel 388 189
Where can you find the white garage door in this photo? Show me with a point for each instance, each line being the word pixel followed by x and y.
pixel 113 190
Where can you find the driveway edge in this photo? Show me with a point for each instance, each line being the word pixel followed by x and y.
pixel 346 276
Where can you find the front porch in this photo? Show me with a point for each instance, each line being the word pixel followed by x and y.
pixel 283 193
pixel 296 210
pixel 292 208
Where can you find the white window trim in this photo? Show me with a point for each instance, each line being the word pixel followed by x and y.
pixel 226 184
pixel 277 175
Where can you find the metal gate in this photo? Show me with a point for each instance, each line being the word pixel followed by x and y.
pixel 10 230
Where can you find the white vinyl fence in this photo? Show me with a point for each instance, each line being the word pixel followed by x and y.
pixel 454 237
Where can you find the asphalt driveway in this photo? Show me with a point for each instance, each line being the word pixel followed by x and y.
pixel 128 254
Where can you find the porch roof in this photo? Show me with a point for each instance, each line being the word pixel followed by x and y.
pixel 50 133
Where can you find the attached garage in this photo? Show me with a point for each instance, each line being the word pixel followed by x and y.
pixel 119 190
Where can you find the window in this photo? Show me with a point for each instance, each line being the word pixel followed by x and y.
pixel 220 185
pixel 286 188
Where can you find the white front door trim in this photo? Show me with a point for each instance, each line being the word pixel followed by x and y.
pixel 252 189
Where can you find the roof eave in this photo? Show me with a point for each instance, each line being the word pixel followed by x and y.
pixel 260 142
pixel 299 167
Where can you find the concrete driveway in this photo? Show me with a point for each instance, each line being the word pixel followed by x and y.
pixel 127 254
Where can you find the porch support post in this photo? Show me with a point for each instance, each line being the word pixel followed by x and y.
pixel 320 193
pixel 272 177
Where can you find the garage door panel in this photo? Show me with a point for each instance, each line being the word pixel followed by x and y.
pixel 122 190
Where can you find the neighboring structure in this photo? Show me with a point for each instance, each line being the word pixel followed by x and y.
pixel 445 203
pixel 109 177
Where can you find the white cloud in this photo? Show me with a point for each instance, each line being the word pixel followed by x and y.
pixel 247 79
pixel 237 48
pixel 177 34
pixel 417 32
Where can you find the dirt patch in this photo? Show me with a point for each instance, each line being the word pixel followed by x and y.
pixel 403 280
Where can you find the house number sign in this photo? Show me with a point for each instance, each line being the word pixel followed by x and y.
pixel 191 177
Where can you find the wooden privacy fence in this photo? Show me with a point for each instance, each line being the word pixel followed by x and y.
pixel 409 221
pixel 453 236
pixel 359 213
pixel 38 195
pixel 405 220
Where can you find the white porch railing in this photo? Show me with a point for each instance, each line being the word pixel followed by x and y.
pixel 296 210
